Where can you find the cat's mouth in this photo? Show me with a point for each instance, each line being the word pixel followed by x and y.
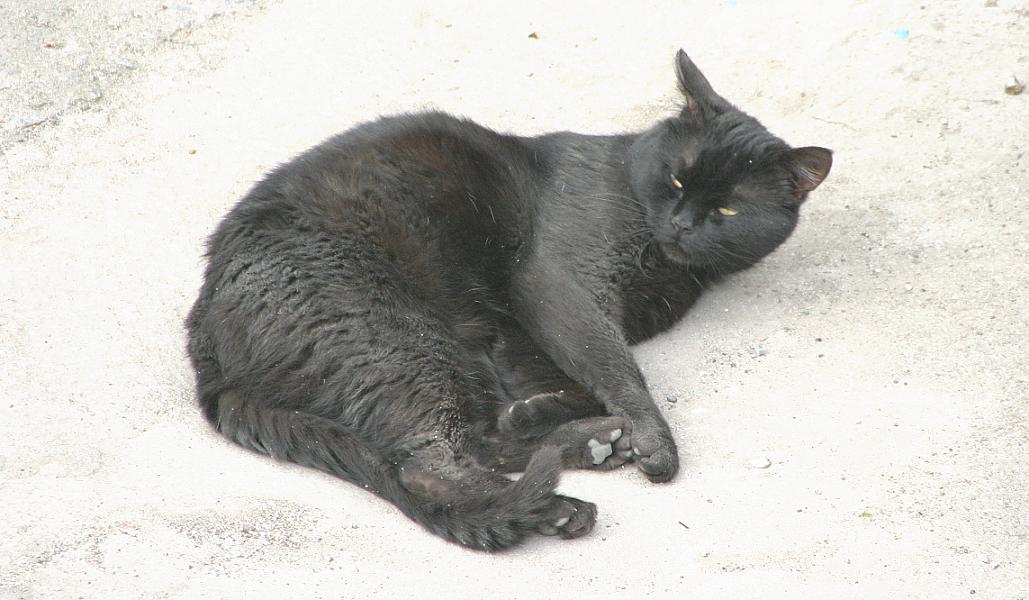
pixel 709 258
pixel 675 252
pixel 686 252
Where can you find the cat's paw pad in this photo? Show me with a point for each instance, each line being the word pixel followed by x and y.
pixel 568 517
pixel 600 451
pixel 599 443
pixel 615 443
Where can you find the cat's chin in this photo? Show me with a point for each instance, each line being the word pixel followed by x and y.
pixel 678 255
pixel 674 253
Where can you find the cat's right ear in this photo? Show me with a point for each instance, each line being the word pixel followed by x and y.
pixel 696 91
pixel 808 167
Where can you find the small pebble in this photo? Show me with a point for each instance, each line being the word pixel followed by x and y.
pixel 32 120
pixel 760 463
pixel 672 398
pixel 759 351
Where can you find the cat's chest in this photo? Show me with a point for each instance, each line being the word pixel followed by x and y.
pixel 658 287
pixel 653 296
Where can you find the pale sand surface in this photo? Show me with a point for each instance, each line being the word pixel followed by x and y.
pixel 888 404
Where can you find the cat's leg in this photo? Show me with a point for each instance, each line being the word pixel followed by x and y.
pixel 537 396
pixel 440 474
pixel 587 343
pixel 598 443
pixel 391 403
pixel 438 400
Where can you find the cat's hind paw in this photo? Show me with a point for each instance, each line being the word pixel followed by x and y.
pixel 599 443
pixel 536 414
pixel 568 517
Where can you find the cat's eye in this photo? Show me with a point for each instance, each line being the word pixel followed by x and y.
pixel 676 182
pixel 728 212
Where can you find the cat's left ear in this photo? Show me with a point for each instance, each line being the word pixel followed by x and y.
pixel 701 98
pixel 808 167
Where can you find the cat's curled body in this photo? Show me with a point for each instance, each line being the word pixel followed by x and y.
pixel 421 304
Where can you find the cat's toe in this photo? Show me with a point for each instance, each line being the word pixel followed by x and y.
pixel 623 447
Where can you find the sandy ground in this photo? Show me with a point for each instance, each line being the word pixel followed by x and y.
pixel 852 413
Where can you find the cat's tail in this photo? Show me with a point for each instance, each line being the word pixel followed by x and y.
pixel 466 514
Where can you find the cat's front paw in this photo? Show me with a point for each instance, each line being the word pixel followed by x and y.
pixel 655 452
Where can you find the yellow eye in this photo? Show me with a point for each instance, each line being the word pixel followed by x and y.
pixel 727 212
pixel 676 183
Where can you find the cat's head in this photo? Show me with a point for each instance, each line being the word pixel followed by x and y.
pixel 721 191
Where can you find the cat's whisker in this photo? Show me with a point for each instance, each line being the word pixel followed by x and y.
pixel 737 253
pixel 617 199
pixel 635 208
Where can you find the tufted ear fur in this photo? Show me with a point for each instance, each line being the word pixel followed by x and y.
pixel 701 99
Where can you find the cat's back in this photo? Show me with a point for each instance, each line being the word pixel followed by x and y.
pixel 397 171
pixel 425 204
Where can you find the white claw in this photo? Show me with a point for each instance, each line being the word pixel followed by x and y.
pixel 617 433
pixel 562 521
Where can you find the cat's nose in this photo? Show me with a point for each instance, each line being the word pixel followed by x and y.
pixel 682 223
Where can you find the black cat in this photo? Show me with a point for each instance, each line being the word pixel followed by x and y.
pixel 421 304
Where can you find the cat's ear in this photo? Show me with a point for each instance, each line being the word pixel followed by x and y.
pixel 808 167
pixel 696 91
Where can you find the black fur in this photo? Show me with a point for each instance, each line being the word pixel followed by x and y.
pixel 420 304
